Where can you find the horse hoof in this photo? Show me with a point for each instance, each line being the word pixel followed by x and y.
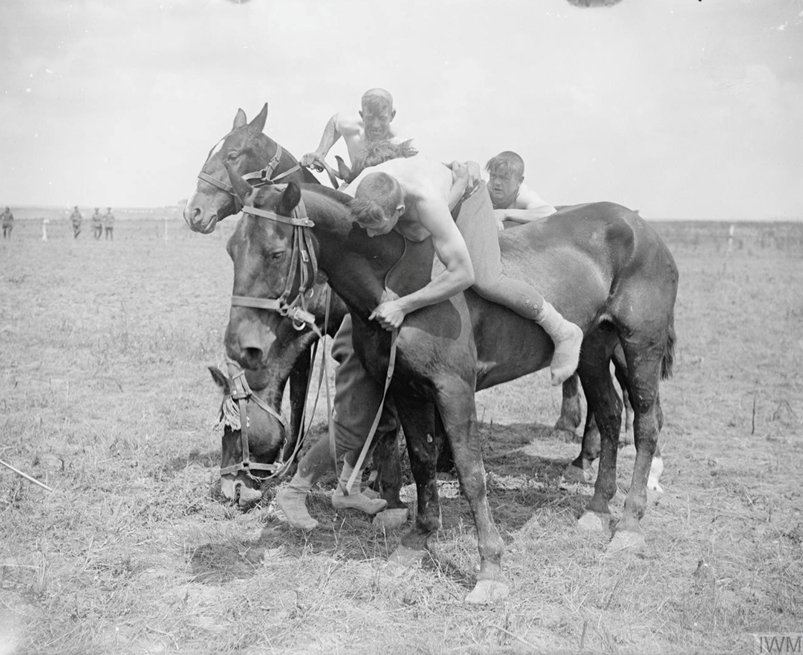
pixel 594 522
pixel 405 556
pixel 487 592
pixel 654 495
pixel 566 425
pixel 390 519
pixel 578 475
pixel 249 497
pixel 625 539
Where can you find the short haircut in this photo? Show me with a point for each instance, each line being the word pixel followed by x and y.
pixel 377 100
pixel 377 197
pixel 506 164
pixel 376 152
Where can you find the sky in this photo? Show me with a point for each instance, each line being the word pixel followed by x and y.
pixel 679 108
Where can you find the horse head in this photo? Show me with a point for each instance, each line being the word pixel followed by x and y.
pixel 251 153
pixel 268 268
pixel 265 433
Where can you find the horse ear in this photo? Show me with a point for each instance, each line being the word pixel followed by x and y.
pixel 259 120
pixel 290 198
pixel 220 379
pixel 241 187
pixel 239 119
pixel 343 171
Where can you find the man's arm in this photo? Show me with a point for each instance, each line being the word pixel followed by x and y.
pixel 529 207
pixel 453 253
pixel 336 127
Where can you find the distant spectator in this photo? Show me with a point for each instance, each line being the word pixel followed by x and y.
pixel 97 224
pixel 45 223
pixel 8 223
pixel 108 223
pixel 76 219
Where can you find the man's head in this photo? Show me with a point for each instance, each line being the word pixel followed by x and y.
pixel 377 112
pixel 378 203
pixel 506 173
pixel 108 209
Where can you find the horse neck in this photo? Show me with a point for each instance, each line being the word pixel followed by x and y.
pixel 355 263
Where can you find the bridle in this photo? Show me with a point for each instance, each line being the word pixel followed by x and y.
pixel 241 394
pixel 258 178
pixel 304 267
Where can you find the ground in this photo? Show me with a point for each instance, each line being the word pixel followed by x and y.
pixel 105 397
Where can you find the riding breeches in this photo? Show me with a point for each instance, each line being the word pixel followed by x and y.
pixel 357 397
pixel 476 223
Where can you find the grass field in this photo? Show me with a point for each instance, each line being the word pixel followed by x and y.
pixel 104 396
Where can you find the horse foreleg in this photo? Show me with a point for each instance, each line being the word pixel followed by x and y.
pixel 418 421
pixel 299 383
pixel 580 469
pixel 458 412
pixel 570 409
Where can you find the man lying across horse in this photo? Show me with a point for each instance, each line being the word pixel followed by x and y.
pixel 416 197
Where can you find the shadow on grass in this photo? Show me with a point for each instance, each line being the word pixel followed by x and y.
pixel 351 534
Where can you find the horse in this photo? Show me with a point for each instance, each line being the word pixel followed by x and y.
pixel 271 439
pixel 246 148
pixel 607 270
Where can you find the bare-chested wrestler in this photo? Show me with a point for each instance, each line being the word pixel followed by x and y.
pixel 513 201
pixel 371 123
pixel 415 196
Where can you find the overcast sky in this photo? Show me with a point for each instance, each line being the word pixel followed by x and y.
pixel 679 108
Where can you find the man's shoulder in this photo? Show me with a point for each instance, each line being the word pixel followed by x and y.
pixel 527 198
pixel 348 122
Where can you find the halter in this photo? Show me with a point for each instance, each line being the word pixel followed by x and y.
pixel 241 395
pixel 303 264
pixel 257 178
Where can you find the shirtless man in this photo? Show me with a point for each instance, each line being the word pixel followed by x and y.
pixel 514 203
pixel 371 123
pixel 414 196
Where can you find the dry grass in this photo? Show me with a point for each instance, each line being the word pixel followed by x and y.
pixel 105 397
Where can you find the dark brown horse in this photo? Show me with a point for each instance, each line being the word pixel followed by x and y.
pixel 606 269
pixel 246 148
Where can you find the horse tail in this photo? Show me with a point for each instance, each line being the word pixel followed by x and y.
pixel 668 359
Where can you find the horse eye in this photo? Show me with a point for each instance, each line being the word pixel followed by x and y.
pixel 232 155
pixel 277 255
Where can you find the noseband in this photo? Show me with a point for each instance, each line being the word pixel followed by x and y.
pixel 258 178
pixel 303 265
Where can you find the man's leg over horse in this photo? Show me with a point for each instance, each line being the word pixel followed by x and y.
pixel 604 403
pixel 478 227
pixel 458 411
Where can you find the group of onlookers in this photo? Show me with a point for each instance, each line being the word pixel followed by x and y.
pixel 100 223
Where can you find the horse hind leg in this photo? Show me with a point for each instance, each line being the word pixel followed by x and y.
pixel 605 405
pixel 644 365
pixel 570 409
